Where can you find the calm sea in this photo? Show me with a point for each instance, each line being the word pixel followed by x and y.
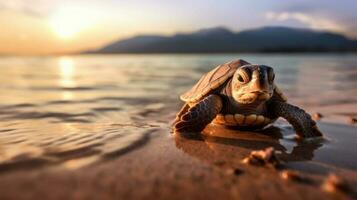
pixel 84 108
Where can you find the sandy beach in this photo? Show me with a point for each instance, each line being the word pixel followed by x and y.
pixel 79 131
pixel 163 167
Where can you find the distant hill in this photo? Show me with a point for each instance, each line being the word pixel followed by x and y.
pixel 221 40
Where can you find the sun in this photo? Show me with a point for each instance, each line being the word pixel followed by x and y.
pixel 69 20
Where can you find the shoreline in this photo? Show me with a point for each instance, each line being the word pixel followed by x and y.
pixel 169 167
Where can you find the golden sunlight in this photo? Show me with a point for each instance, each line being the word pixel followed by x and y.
pixel 66 71
pixel 69 20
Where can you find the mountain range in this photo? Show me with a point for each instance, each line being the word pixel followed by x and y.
pixel 222 40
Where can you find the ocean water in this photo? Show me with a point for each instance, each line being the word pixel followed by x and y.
pixel 71 111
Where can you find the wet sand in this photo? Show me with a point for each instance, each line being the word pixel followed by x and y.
pixel 69 139
pixel 160 165
pixel 167 167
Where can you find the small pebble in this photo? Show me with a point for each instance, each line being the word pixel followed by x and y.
pixel 353 120
pixel 290 175
pixel 317 116
pixel 334 183
pixel 262 157
pixel 253 161
pixel 229 171
pixel 235 171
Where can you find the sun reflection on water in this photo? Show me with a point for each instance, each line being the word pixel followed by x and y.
pixel 66 67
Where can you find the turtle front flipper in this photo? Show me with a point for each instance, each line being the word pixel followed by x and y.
pixel 199 115
pixel 297 117
pixel 183 110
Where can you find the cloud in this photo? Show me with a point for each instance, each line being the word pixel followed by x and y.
pixel 37 8
pixel 46 8
pixel 311 21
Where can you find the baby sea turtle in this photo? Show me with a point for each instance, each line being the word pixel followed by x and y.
pixel 242 95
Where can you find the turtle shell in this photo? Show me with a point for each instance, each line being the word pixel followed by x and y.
pixel 216 78
pixel 212 80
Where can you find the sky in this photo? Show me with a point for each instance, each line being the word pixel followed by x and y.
pixel 41 27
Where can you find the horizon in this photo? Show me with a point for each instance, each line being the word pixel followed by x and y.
pixel 45 27
pixel 80 52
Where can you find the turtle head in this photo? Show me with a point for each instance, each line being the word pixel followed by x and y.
pixel 253 83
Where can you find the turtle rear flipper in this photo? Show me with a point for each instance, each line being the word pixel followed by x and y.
pixel 301 121
pixel 199 115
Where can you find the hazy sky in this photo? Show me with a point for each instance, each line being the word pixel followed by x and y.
pixel 55 26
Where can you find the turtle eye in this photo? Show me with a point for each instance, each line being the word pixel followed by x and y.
pixel 243 76
pixel 271 75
